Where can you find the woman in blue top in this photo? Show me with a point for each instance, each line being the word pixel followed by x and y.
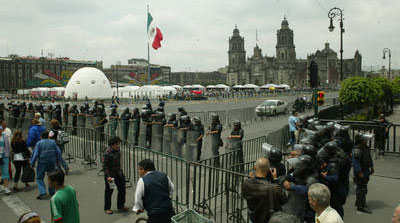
pixel 4 155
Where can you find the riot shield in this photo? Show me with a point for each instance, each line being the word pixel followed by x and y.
pixel 175 149
pixel 190 150
pixel 235 159
pixel 214 138
pixel 81 120
pixel 167 137
pixel 157 137
pixel 180 135
pixel 47 116
pixel 133 132
pixel 113 127
pixel 89 121
pixel 123 129
pixel 142 135
pixel 70 117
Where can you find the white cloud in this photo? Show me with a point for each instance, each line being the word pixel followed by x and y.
pixel 195 32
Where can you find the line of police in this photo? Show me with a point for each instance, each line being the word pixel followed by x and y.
pixel 324 154
pixel 175 134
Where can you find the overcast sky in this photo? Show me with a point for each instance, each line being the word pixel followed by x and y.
pixel 195 32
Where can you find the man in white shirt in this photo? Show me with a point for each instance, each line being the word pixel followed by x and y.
pixel 319 198
pixel 153 192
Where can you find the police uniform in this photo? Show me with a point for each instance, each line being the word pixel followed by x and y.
pixel 362 167
pixel 200 129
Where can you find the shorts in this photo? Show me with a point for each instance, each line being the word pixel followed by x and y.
pixel 4 169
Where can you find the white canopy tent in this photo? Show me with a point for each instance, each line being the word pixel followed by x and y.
pixel 238 86
pixel 222 86
pixel 251 86
pixel 283 86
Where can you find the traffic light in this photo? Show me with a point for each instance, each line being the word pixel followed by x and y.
pixel 313 73
pixel 320 98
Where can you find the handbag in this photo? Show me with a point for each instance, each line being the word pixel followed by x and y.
pixel 28 175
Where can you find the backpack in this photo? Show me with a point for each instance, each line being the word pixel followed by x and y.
pixel 62 137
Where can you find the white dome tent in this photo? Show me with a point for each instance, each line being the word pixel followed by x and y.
pixel 222 86
pixel 88 82
pixel 284 86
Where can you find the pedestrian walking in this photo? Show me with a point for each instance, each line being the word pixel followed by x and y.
pixel 46 153
pixel 4 160
pixel 319 198
pixel 64 205
pixel 8 132
pixel 113 176
pixel 293 127
pixel 21 155
pixel 153 191
pixel 381 134
pixel 56 129
pixel 34 133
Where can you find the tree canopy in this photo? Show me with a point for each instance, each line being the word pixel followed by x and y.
pixel 361 90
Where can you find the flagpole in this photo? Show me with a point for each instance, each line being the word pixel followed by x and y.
pixel 148 50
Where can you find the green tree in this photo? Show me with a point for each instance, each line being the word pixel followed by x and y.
pixel 360 91
pixel 396 85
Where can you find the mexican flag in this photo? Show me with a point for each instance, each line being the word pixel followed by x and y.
pixel 154 32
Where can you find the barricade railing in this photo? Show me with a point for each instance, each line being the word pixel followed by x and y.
pixel 217 193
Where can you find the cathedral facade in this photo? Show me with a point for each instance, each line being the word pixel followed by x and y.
pixel 284 68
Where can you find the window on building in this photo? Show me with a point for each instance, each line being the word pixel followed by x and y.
pixel 92 81
pixel 78 82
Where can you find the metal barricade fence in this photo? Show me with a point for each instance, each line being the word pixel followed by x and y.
pixel 217 193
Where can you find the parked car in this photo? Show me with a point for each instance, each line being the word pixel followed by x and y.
pixel 272 107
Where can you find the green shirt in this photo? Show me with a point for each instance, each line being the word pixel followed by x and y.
pixel 64 206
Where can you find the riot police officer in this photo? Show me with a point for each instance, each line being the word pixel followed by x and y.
pixel 215 132
pixel 22 108
pixel 57 113
pixel 114 116
pixel 74 113
pixel 147 120
pixel 86 108
pixel 274 156
pixel 100 121
pixel 135 117
pixel 184 124
pixel 198 127
pixel 236 138
pixel 65 114
pixel 181 111
pixel 125 117
pixel 363 167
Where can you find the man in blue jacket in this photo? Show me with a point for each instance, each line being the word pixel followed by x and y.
pixel 153 192
pixel 47 153
pixel 35 130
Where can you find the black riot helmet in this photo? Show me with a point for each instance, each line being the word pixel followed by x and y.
pixel 172 117
pixel 331 147
pixel 344 131
pixel 135 111
pixel 160 115
pixel 214 117
pixel 196 120
pixel 126 110
pixel 74 106
pixel 82 108
pixel 113 106
pixel 185 119
pixel 237 125
pixel 273 154
pixel 309 150
pixel 302 166
pixel 363 138
pixel 66 105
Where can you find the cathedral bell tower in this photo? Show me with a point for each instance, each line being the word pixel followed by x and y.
pixel 236 53
pixel 285 49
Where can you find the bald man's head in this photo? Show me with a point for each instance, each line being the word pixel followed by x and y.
pixel 396 215
pixel 262 165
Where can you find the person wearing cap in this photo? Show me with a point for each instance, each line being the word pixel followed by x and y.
pixel 29 217
pixel 4 160
pixel 363 167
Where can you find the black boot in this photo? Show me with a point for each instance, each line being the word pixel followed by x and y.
pixel 364 209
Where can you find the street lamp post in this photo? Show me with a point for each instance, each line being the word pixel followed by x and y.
pixel 387 50
pixel 332 14
pixel 118 66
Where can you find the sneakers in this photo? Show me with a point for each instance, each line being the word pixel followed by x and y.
pixel 7 191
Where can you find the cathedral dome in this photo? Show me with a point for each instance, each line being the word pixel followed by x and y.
pixel 236 31
pixel 284 24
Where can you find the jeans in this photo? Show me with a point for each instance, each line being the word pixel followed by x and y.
pixel 292 139
pixel 5 175
pixel 41 169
